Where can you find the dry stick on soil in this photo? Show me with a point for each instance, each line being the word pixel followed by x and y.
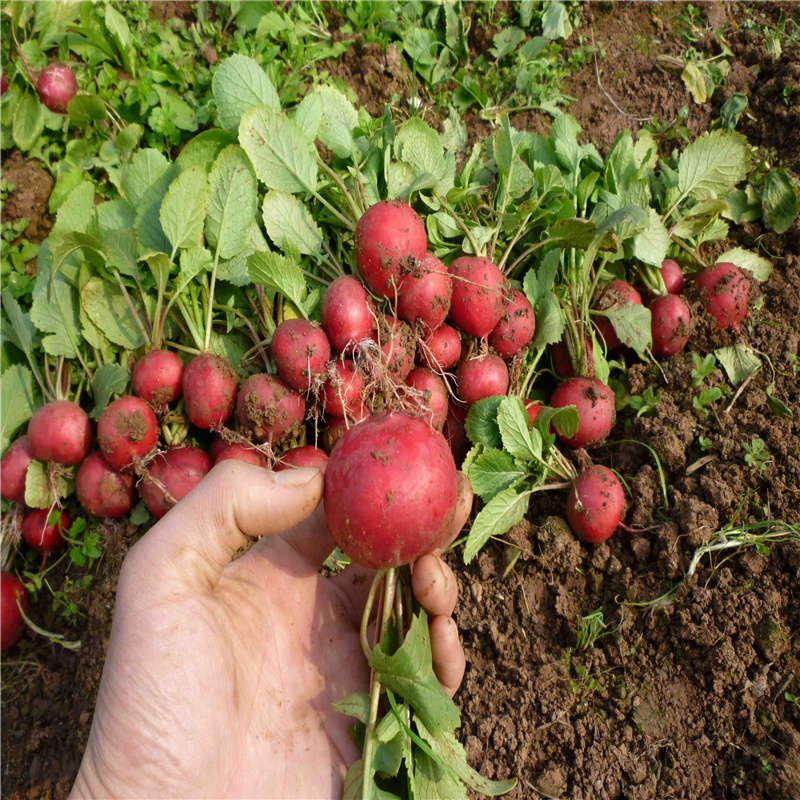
pixel 741 389
pixel 602 89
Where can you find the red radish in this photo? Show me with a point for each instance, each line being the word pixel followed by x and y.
pixel 616 293
pixel 594 402
pixel 389 239
pixel 308 456
pixel 176 471
pixel 455 432
pixel 347 315
pixel 217 445
pixel 240 452
pixel 300 350
pixel 343 391
pixel 424 293
pixel 482 377
pixel 515 330
pixel 127 431
pixel 397 346
pixel 14 469
pixel 727 293
pixel 390 490
pixel 103 491
pixel 533 408
pixel 39 534
pixel 3 84
pixel 56 87
pixel 595 504
pixel 336 428
pixel 478 295
pixel 433 401
pixel 158 378
pixel 562 363
pixel 269 409
pixel 12 624
pixel 441 350
pixel 209 390
pixel 671 324
pixel 672 275
pixel 60 431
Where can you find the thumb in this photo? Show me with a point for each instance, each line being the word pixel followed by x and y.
pixel 197 539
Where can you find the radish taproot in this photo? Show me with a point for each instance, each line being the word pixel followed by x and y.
pixel 347 314
pixel 158 378
pixel 12 623
pixel 127 431
pixel 237 451
pixel 14 469
pixel 441 350
pixel 595 504
pixel 727 293
pixel 60 431
pixel 478 300
pixel 390 490
pixel 430 400
pixel 39 534
pixel 616 293
pixel 482 377
pixel 342 393
pixel 300 350
pixel 516 327
pixel 308 456
pixel 670 324
pixel 594 402
pixel 103 491
pixel 423 294
pixel 209 390
pixel 56 87
pixel 269 409
pixel 171 476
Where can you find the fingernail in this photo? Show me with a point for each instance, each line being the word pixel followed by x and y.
pixel 295 476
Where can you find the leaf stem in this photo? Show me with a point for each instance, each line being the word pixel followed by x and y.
pixel 145 334
pixel 342 188
pixel 457 219
pixel 190 323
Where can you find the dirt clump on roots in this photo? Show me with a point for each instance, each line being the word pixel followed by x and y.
pixel 32 186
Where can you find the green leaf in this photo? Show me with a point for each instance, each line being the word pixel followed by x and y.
pixel 84 109
pixel 148 213
pixel 184 207
pixel 180 113
pixel 555 22
pixel 695 83
pixel 25 333
pixel 514 424
pixel 121 34
pixel 55 311
pixel 780 201
pixel 194 260
pixel 409 673
pixel 145 169
pixel 454 133
pixel 354 705
pixel 239 84
pixel 549 322
pixel 289 223
pixel 107 308
pixel 205 147
pixel 109 379
pixel 140 515
pixel 18 397
pixel 651 244
pixel 353 788
pixel 433 782
pixel 283 157
pixel 128 140
pixel 746 259
pixel 481 425
pixel 39 486
pixel 565 420
pixel 493 471
pixel 506 41
pixel 712 165
pixel 500 514
pixel 776 405
pixel 631 323
pixel 339 117
pixel 279 273
pixel 28 121
pixel 739 362
pixel 420 147
pixel 308 114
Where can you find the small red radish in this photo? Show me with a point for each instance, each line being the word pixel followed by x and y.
pixel 594 402
pixel 424 293
pixel 727 293
pixel 533 408
pixel 60 431
pixel 300 350
pixel 397 346
pixel 337 426
pixel 433 400
pixel 672 275
pixel 56 87
pixel 670 324
pixel 516 327
pixel 595 505
pixel 158 378
pixel 269 409
pixel 240 452
pixel 455 432
pixel 178 471
pixel 441 350
pixel 562 363
pixel 127 431
pixel 39 534
pixel 209 390
pixel 308 456
pixel 344 389
pixel 478 299
pixel 14 469
pixel 347 314
pixel 390 490
pixel 103 491
pixel 12 624
pixel 616 293
pixel 389 239
pixel 482 377
pixel 3 84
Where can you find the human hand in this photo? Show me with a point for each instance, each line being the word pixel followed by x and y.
pixel 221 674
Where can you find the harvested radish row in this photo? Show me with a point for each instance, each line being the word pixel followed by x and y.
pixel 300 350
pixel 14 469
pixel 671 324
pixel 482 377
pixel 269 409
pixel 103 491
pixel 397 346
pixel 343 391
pixel 432 401
pixel 616 293
pixel 60 431
pixel 56 87
pixel 39 534
pixel 594 402
pixel 171 476
pixel 478 295
pixel 389 239
pixel 390 490
pixel 12 623
pixel 455 433
pixel 595 505
pixel 240 452
pixel 127 431
pixel 158 378
pixel 562 362
pixel 515 330
pixel 209 390
pixel 441 350
pixel 347 315
pixel 308 456
pixel 423 293
pixel 727 293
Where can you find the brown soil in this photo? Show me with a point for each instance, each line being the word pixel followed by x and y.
pixel 33 185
